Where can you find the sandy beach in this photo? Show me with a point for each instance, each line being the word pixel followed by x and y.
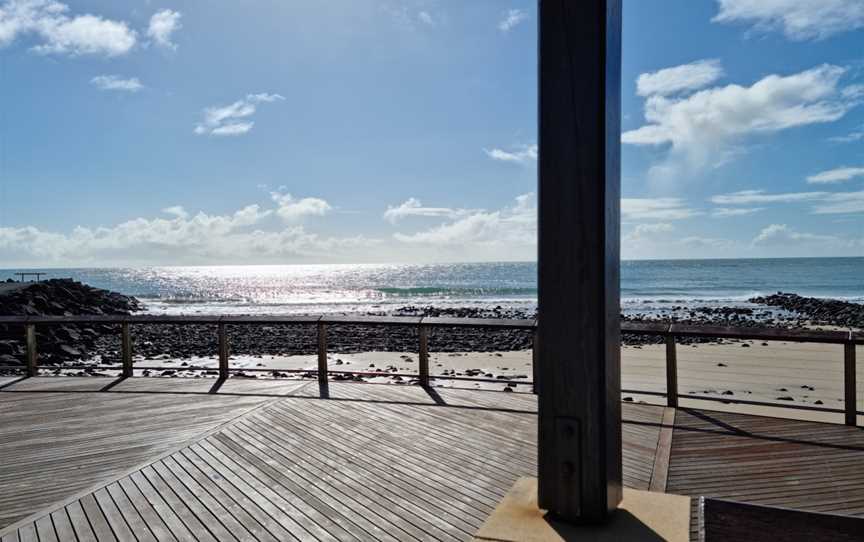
pixel 780 373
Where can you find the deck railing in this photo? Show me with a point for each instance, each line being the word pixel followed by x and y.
pixel 422 324
pixel 667 333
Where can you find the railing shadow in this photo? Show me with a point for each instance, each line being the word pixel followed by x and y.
pixel 118 380
pixel 323 393
pixel 13 382
pixel 724 428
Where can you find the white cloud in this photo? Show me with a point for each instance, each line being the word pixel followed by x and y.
pixel 509 233
pixel 184 238
pixel 228 129
pixel 726 212
pixel 841 203
pixel 851 137
pixel 291 209
pixel 157 234
pixel 642 231
pixel 163 24
pixel 512 18
pixel 413 207
pixel 707 127
pixel 823 202
pixel 797 19
pixel 264 97
pixel 410 16
pixel 783 233
pixel 691 76
pixel 60 33
pixel 177 211
pixel 837 175
pixel 658 241
pixel 655 209
pixel 115 82
pixel 426 18
pixel 710 243
pixel 745 197
pixel 228 120
pixel 521 155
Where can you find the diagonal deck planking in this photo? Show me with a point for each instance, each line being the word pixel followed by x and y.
pixel 163 459
pixel 59 436
pixel 817 467
pixel 371 462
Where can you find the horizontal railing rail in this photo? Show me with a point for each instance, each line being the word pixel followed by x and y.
pixel 669 333
pixel 321 321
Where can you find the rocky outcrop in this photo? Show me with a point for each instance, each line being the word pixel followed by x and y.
pixel 818 311
pixel 76 344
pixel 58 297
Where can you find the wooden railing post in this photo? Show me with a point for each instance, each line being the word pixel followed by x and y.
pixel 535 363
pixel 223 351
pixel 849 380
pixel 322 354
pixel 671 372
pixel 32 362
pixel 423 335
pixel 126 349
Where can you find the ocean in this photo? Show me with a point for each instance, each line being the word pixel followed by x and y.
pixel 647 286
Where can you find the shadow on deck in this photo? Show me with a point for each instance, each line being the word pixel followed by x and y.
pixel 271 460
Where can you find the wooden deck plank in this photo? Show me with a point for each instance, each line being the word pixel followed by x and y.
pixel 28 534
pixel 50 421
pixel 200 530
pixel 398 485
pixel 115 519
pixel 203 514
pixel 231 507
pixel 154 523
pixel 293 480
pixel 45 530
pixel 358 502
pixel 282 511
pixel 660 470
pixel 771 461
pixel 381 462
pixel 98 521
pixel 252 507
pixel 129 514
pixel 79 522
pixel 166 514
pixel 63 526
pixel 210 507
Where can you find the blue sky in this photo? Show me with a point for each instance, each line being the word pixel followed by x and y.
pixel 274 131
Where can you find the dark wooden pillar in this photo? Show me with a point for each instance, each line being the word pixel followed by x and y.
pixel 579 225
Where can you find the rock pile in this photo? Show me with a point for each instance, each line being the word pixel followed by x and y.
pixel 185 341
pixel 58 297
pixel 818 311
pixel 80 343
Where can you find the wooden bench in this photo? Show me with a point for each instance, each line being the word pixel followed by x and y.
pixel 721 520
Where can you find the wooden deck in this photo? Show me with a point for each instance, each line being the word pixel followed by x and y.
pixel 164 459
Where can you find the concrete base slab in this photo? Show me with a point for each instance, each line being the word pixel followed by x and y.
pixel 643 516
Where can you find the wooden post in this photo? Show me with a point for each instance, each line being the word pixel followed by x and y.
pixel 32 362
pixel 126 349
pixel 579 450
pixel 423 334
pixel 322 354
pixel 535 363
pixel 671 372
pixel 223 352
pixel 849 379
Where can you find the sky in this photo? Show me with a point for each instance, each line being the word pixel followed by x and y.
pixel 151 132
